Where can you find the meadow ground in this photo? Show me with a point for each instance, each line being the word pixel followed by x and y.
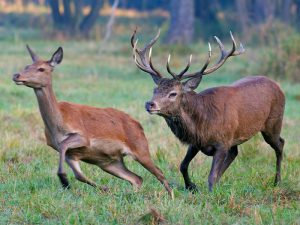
pixel 107 77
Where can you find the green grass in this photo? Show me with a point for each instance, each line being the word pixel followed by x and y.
pixel 31 192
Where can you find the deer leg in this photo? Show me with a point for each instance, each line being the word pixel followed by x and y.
pixel 145 160
pixel 231 155
pixel 73 141
pixel 78 173
pixel 217 164
pixel 61 173
pixel 191 153
pixel 118 169
pixel 277 144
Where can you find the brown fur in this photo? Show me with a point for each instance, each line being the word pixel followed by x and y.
pixel 217 120
pixel 230 114
pixel 100 136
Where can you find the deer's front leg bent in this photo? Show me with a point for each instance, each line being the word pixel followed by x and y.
pixel 217 164
pixel 74 140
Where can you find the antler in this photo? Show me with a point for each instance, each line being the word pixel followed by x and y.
pixel 179 76
pixel 224 56
pixel 147 66
pixel 143 63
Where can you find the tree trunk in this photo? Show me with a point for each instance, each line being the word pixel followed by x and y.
pixel 71 20
pixel 111 21
pixel 77 13
pixel 242 14
pixel 89 21
pixel 181 29
pixel 67 13
pixel 286 11
pixel 56 16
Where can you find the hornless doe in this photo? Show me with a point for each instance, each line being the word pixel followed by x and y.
pixel 217 120
pixel 100 136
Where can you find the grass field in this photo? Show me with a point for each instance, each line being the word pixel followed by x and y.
pixel 107 77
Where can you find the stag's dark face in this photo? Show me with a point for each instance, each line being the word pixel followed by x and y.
pixel 166 98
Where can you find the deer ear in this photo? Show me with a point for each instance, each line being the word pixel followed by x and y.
pixel 56 57
pixel 192 83
pixel 34 56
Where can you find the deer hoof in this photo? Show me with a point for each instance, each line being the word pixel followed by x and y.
pixel 192 188
pixel 64 180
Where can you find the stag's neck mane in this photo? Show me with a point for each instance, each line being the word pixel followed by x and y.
pixel 194 115
pixel 49 110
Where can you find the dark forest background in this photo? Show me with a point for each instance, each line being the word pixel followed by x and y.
pixel 272 25
pixel 188 19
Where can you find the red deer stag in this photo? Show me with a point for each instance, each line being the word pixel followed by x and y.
pixel 99 136
pixel 217 120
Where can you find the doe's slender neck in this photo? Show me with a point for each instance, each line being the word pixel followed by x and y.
pixel 49 109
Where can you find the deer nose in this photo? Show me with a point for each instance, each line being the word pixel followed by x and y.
pixel 16 76
pixel 150 105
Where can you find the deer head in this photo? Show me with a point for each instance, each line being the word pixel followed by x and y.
pixel 38 74
pixel 168 94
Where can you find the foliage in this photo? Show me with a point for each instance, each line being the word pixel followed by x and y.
pixel 281 57
pixel 206 17
pixel 72 20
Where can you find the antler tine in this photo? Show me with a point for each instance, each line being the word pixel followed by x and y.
pixel 135 58
pixel 233 44
pixel 241 49
pixel 186 68
pixel 134 50
pixel 139 65
pixel 145 49
pixel 142 67
pixel 152 42
pixel 224 56
pixel 168 67
pixel 221 47
pixel 143 63
pixel 203 68
pixel 150 62
pixel 133 37
pixel 134 45
pixel 179 76
pixel 142 53
pixel 207 60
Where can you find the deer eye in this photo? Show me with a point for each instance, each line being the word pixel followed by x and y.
pixel 41 69
pixel 172 94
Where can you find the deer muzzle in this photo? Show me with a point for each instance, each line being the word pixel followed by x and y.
pixel 16 78
pixel 152 107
